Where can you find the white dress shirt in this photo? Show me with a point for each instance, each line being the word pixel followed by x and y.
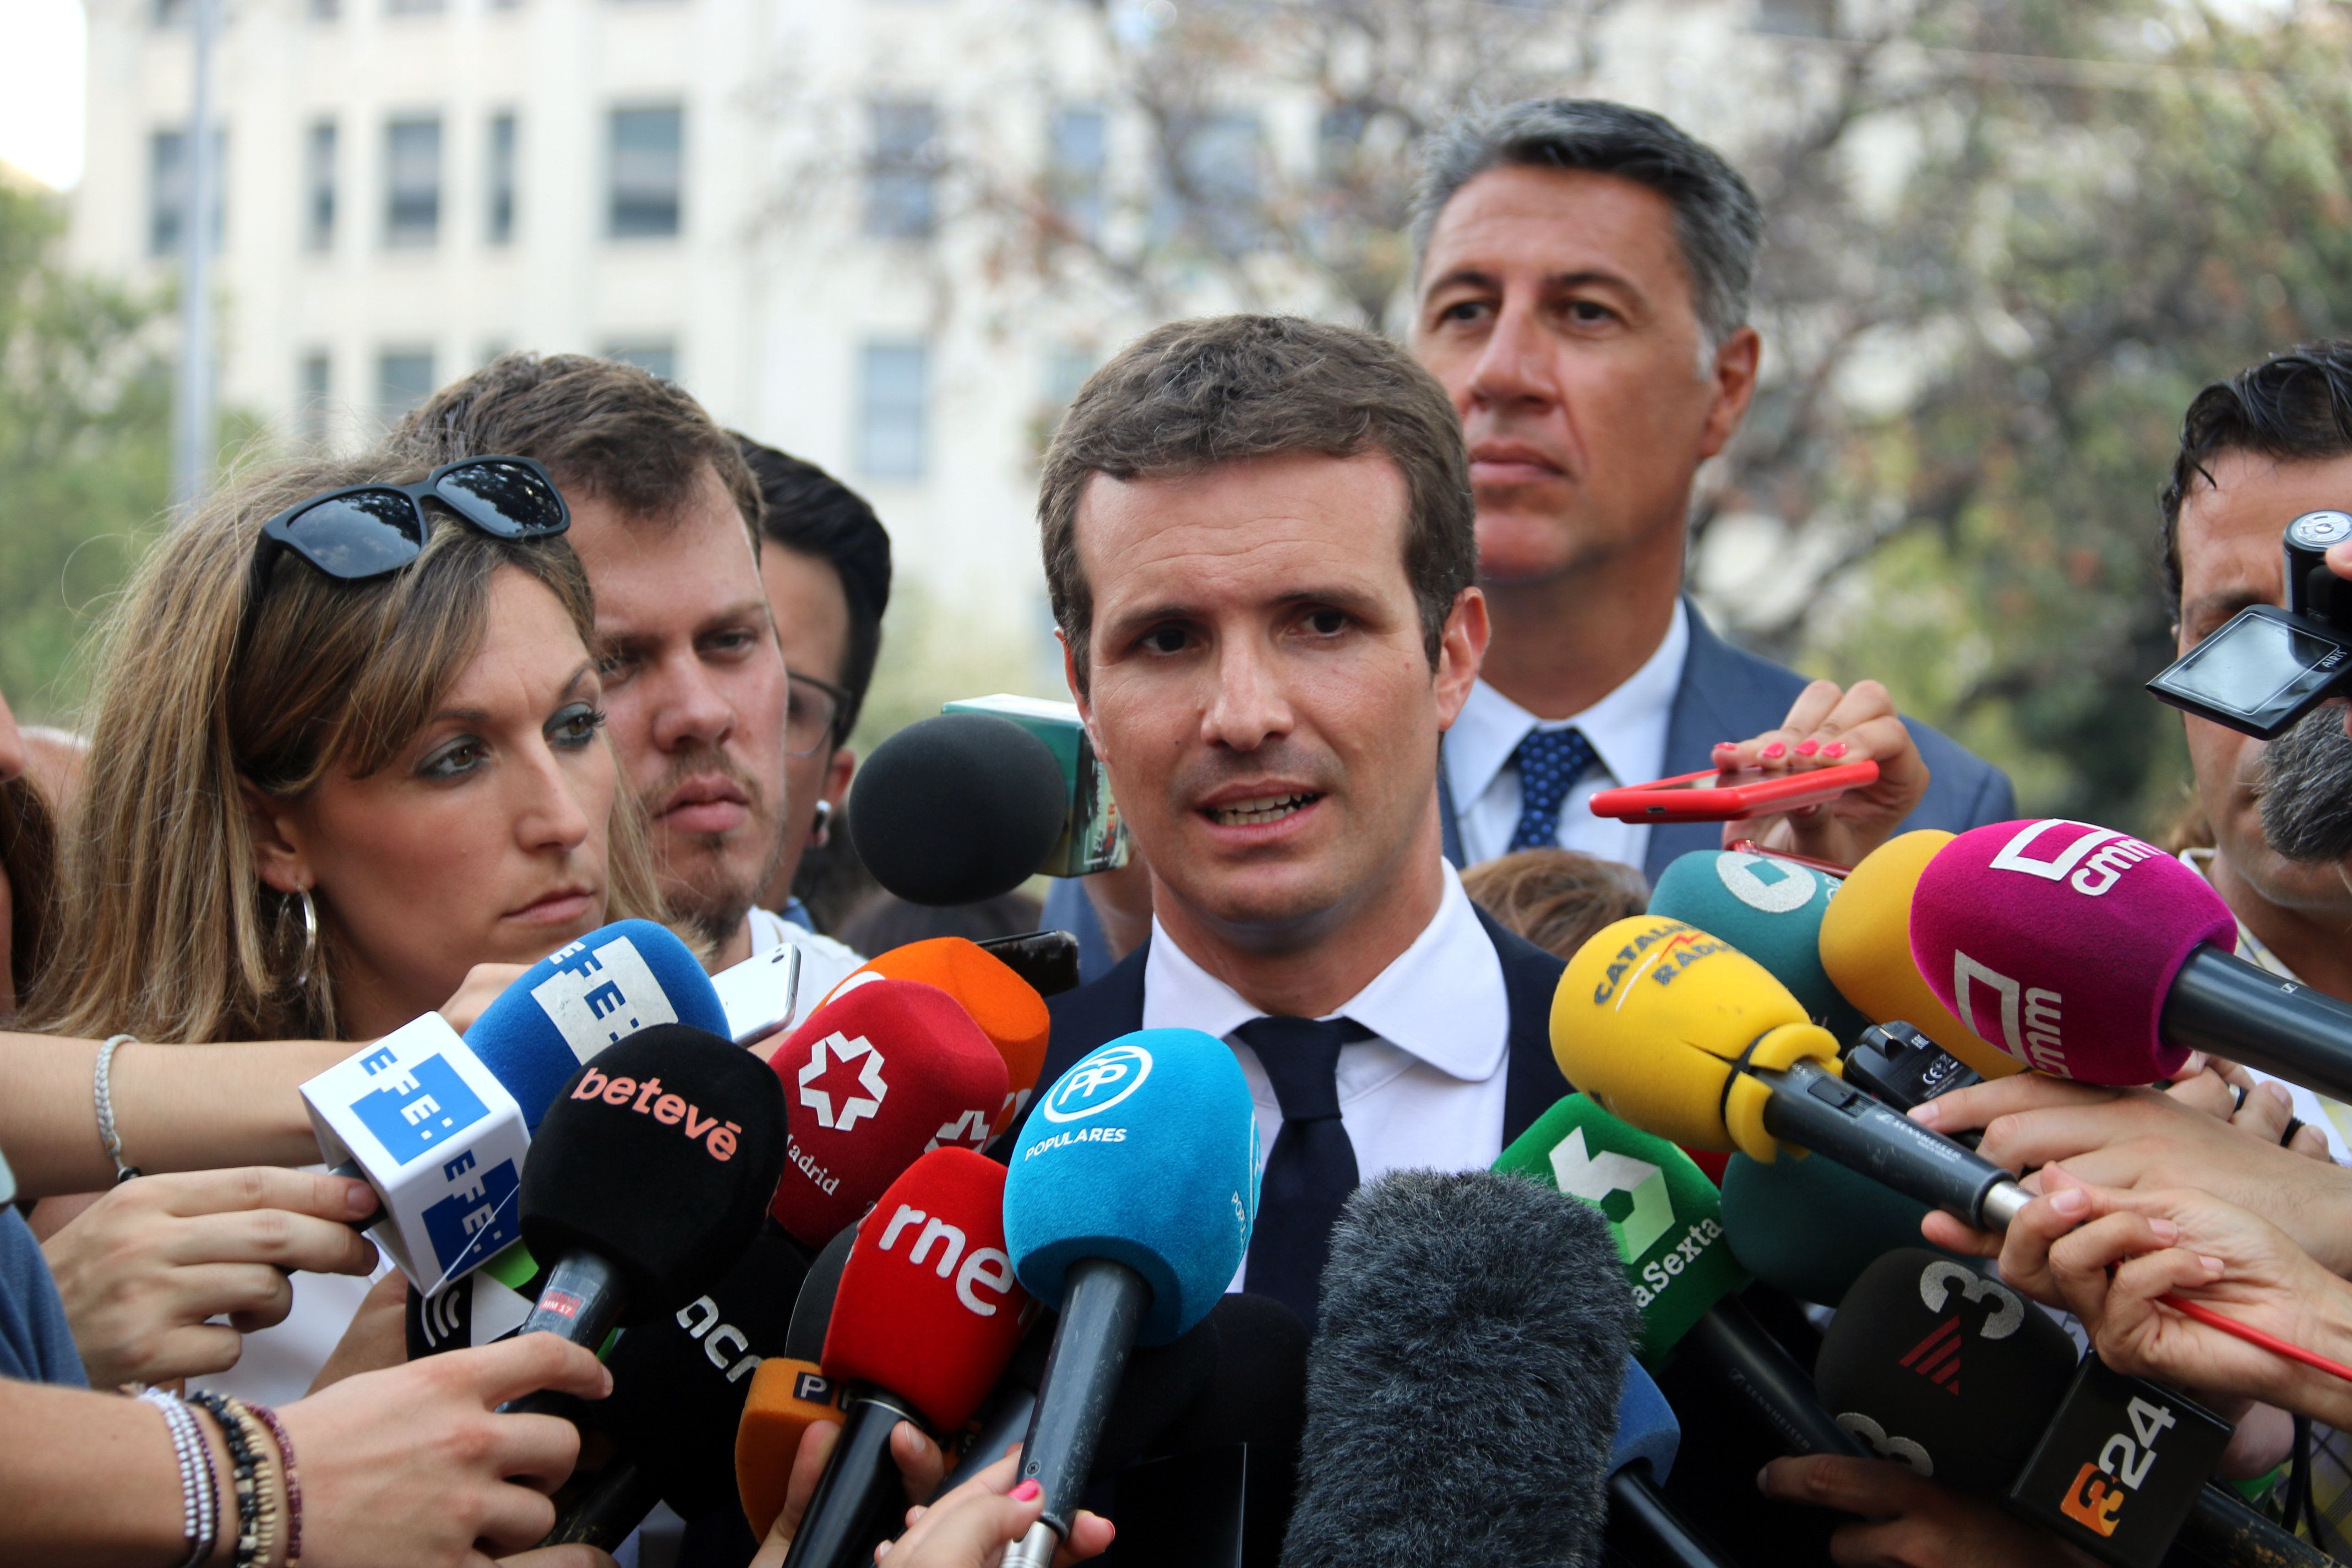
pixel 1627 730
pixel 1426 1091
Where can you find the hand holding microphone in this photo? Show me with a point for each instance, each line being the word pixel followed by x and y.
pixel 1828 726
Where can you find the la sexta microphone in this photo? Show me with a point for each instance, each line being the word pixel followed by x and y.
pixel 1127 1209
pixel 956 809
pixel 1007 1008
pixel 927 1316
pixel 2093 956
pixel 1769 909
pixel 1865 945
pixel 1464 1383
pixel 1677 1259
pixel 649 1179
pixel 873 1078
pixel 439 1126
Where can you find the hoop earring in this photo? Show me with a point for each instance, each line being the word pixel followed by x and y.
pixel 310 939
pixel 821 831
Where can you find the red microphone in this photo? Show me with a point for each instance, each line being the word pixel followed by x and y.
pixel 873 1080
pixel 927 1314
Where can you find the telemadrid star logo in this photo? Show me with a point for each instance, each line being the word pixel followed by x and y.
pixel 853 1106
pixel 1097 1083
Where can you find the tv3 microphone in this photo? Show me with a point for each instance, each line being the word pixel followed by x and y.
pixel 1128 1209
pixel 440 1126
pixel 927 1313
pixel 1007 1008
pixel 1956 1375
pixel 1465 1378
pixel 1665 1217
pixel 873 1078
pixel 2093 956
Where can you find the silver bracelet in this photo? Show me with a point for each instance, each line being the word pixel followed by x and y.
pixel 199 1516
pixel 102 1091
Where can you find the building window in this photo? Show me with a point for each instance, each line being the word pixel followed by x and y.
pixel 318 185
pixel 404 378
pixel 168 176
pixel 314 388
pixel 411 181
pixel 654 357
pixel 1799 18
pixel 498 182
pixel 1213 181
pixel 414 8
pixel 902 170
pixel 326 10
pixel 171 12
pixel 892 394
pixel 647 172
pixel 1078 145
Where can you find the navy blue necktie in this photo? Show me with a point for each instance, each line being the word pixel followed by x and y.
pixel 1312 1168
pixel 1549 763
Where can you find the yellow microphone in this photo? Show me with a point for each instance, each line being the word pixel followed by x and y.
pixel 1867 949
pixel 1683 1035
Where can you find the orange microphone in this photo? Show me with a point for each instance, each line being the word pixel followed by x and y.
pixel 787 1398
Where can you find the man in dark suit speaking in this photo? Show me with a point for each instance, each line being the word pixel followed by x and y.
pixel 1259 544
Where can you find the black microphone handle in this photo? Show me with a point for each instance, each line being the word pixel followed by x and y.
pixel 1102 1302
pixel 579 1303
pixel 614 1504
pixel 1766 1378
pixel 2222 1003
pixel 2223 1531
pixel 1645 1529
pixel 1816 1110
pixel 859 1485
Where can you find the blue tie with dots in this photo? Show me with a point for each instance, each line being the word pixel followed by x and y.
pixel 1549 763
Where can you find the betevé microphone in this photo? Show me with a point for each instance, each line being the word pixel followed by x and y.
pixel 1465 1378
pixel 1127 1209
pixel 872 1080
pixel 1866 950
pixel 1769 909
pixel 927 1314
pixel 1667 1219
pixel 439 1126
pixel 649 1179
pixel 1007 1008
pixel 956 809
pixel 2093 956
pixel 1677 1033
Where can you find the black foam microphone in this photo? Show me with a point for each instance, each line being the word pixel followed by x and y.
pixel 956 809
pixel 1462 1390
pixel 813 1307
pixel 648 1178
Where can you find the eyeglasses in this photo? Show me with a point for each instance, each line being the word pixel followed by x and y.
pixel 814 708
pixel 365 532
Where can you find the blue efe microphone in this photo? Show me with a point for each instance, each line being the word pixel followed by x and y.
pixel 1127 1210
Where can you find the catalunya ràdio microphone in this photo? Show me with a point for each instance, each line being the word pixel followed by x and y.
pixel 1128 1209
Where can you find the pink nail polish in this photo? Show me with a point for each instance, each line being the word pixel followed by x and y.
pixel 1026 1491
pixel 1835 749
pixel 1807 748
pixel 1776 751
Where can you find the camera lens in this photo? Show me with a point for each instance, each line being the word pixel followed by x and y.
pixel 2318 530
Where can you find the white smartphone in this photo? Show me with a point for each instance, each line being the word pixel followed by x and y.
pixel 761 995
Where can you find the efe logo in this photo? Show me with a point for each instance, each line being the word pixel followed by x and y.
pixel 419 1110
pixel 598 996
pixel 854 1106
pixel 669 1110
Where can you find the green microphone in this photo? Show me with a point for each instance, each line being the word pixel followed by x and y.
pixel 1668 1221
pixel 1771 910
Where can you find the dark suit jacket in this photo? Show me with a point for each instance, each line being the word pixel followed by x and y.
pixel 1728 695
pixel 1097 1014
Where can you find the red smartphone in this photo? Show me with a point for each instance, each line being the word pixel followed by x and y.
pixel 1710 796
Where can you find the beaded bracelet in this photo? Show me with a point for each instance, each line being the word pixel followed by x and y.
pixel 199 1522
pixel 293 1481
pixel 246 1463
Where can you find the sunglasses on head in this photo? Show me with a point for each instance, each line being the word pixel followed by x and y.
pixel 364 532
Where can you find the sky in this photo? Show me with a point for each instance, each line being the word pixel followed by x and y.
pixel 41 88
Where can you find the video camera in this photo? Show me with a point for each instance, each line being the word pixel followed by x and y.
pixel 2268 666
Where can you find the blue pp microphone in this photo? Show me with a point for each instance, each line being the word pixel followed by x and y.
pixel 438 1125
pixel 1127 1210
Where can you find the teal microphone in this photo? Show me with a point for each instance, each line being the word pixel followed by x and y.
pixel 1771 910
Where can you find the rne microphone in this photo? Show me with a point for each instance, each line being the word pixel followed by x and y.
pixel 1007 1008
pixel 927 1316
pixel 439 1126
pixel 873 1080
pixel 2093 956
pixel 1128 1209
pixel 1666 1217
pixel 1769 909
pixel 956 809
pixel 649 1179
pixel 1462 1385
pixel 1865 946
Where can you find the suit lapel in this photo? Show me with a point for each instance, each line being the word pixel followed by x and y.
pixel 1531 975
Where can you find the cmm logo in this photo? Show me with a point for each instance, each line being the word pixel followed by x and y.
pixel 2025 1018
pixel 1097 1083
pixel 2091 864
pixel 1582 1174
pixel 855 1106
